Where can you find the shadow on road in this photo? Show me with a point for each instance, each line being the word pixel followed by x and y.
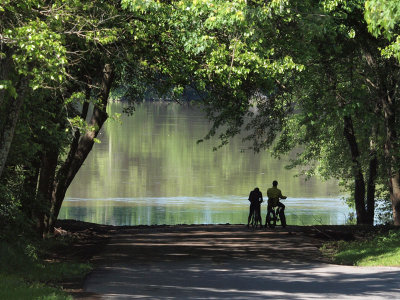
pixel 229 262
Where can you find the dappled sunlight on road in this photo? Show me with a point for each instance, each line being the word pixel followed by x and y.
pixel 230 262
pixel 244 280
pixel 208 243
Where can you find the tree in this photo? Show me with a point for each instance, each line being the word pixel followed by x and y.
pixel 352 82
pixel 65 53
pixel 92 37
pixel 359 86
pixel 244 55
pixel 246 59
pixel 383 17
pixel 383 20
pixel 31 56
pixel 333 88
pixel 98 41
pixel 226 51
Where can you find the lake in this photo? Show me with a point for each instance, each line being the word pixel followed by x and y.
pixel 149 169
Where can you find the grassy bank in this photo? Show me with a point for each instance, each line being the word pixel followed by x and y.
pixel 31 270
pixel 379 249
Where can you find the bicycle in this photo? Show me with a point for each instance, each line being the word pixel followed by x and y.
pixel 255 219
pixel 278 214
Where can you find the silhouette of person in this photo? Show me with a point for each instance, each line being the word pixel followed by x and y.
pixel 274 195
pixel 255 199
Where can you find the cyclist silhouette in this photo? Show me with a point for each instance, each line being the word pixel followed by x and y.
pixel 255 199
pixel 274 195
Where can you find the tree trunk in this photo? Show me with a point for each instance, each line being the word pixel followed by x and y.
pixel 372 174
pixel 30 185
pixel 348 132
pixel 7 134
pixel 359 183
pixel 391 152
pixel 45 187
pixel 6 69
pixel 394 188
pixel 80 148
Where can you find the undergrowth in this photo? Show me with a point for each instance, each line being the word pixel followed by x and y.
pixel 381 249
pixel 27 273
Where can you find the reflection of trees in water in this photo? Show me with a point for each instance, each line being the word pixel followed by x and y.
pixel 170 215
pixel 154 154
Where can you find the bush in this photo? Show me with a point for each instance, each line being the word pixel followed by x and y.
pixel 13 287
pixel 24 274
pixel 382 249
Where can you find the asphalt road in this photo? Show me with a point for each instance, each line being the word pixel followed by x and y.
pixel 243 280
pixel 230 263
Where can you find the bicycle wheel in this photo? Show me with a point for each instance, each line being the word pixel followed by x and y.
pixel 282 217
pixel 253 220
pixel 271 219
pixel 257 220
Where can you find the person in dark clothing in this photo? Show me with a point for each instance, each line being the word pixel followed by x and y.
pixel 255 199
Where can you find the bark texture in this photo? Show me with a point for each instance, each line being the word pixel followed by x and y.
pixel 80 148
pixel 359 182
pixel 45 186
pixel 372 175
pixel 7 132
pixel 391 152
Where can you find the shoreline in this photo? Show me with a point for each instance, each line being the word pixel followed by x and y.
pixel 324 232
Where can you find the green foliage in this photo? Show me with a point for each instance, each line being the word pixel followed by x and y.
pixel 380 250
pixel 25 275
pixel 36 49
pixel 39 54
pixel 7 85
pixel 13 287
pixel 59 49
pixel 24 256
pixel 246 59
pixel 250 61
pixel 13 221
pixel 383 18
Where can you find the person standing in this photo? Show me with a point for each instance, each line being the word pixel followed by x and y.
pixel 255 199
pixel 274 195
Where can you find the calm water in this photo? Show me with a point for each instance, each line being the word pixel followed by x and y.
pixel 148 169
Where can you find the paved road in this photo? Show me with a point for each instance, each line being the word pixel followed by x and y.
pixel 203 263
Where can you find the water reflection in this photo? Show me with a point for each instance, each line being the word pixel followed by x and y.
pixel 195 210
pixel 150 170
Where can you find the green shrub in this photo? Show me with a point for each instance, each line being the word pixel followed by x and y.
pixel 25 275
pixel 13 287
pixel 380 250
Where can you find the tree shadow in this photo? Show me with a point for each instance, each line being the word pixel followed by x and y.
pixel 168 280
pixel 228 262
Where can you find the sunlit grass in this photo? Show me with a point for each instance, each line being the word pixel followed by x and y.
pixel 379 250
